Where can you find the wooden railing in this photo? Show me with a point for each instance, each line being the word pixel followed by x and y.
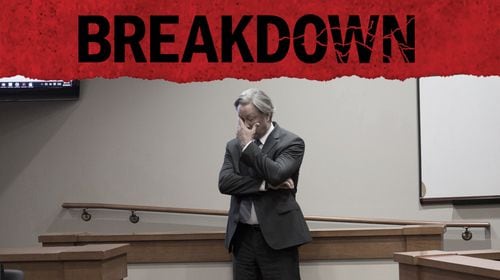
pixel 466 235
pixel 211 212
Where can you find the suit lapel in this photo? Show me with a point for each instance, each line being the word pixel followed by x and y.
pixel 272 140
pixel 236 154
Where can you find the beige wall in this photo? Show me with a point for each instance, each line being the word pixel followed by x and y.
pixel 158 143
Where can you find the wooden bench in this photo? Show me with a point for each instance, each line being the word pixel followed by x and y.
pixel 98 261
pixel 441 265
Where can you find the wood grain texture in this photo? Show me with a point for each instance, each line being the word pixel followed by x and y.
pixel 460 265
pixel 97 261
pixel 333 244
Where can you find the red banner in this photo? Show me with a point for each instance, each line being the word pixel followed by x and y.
pixel 185 41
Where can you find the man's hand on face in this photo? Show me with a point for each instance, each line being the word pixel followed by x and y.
pixel 245 134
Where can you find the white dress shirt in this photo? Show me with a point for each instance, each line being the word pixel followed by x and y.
pixel 253 216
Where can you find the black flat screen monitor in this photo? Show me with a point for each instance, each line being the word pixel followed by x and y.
pixel 19 88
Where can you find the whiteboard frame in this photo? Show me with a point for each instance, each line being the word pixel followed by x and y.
pixel 458 200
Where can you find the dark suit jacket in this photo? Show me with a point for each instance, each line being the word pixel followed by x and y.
pixel 281 220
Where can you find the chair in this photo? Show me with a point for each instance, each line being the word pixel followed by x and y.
pixel 11 274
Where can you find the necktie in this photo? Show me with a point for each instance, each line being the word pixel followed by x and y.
pixel 245 210
pixel 257 141
pixel 246 203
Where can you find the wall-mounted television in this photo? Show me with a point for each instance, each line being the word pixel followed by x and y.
pixel 19 88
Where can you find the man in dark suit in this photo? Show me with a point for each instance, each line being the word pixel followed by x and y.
pixel 260 172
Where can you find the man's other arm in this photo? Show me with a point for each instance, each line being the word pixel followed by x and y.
pixel 235 184
pixel 279 170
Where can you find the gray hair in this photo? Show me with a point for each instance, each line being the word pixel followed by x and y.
pixel 258 98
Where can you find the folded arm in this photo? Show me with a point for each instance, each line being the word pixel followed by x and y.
pixel 233 183
pixel 276 171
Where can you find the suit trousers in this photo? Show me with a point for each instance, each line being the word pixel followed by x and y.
pixel 253 259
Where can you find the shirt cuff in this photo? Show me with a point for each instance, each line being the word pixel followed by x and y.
pixel 263 186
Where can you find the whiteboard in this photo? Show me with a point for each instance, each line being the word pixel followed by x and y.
pixel 459 138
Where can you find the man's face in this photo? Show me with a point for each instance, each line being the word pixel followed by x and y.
pixel 251 116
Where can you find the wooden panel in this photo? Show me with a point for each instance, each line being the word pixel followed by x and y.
pixel 438 274
pixel 178 251
pixel 483 254
pixel 38 270
pixel 97 261
pixel 115 268
pixel 408 272
pixel 440 265
pixel 463 265
pixel 342 248
pixel 82 270
pixel 30 254
pixel 93 252
pixel 90 252
pixel 333 244
pixel 411 258
pixel 423 243
pixel 112 269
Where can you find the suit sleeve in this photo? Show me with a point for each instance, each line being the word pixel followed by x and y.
pixel 235 184
pixel 278 170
